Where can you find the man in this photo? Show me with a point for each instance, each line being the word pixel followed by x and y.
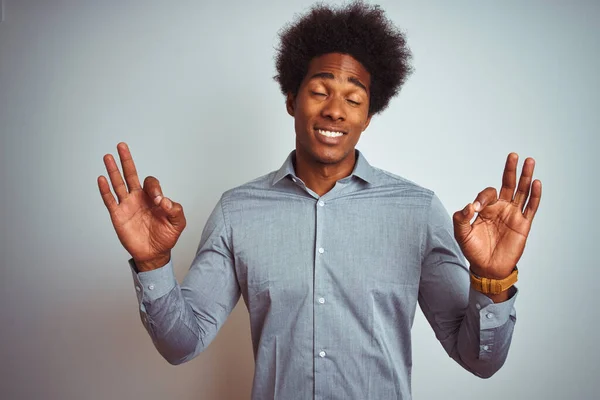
pixel 329 253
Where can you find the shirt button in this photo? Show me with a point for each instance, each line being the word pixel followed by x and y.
pixel 322 354
pixel 321 250
pixel 151 287
pixel 486 347
pixel 321 203
pixel 490 315
pixel 321 300
pixel 478 306
pixel 138 288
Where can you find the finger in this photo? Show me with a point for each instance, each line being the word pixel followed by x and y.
pixel 153 189
pixel 462 222
pixel 534 200
pixel 509 178
pixel 174 212
pixel 129 171
pixel 107 196
pixel 486 197
pixel 115 177
pixel 524 183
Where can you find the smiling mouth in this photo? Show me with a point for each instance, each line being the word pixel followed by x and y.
pixel 329 133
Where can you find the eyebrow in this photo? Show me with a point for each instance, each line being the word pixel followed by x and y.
pixel 329 75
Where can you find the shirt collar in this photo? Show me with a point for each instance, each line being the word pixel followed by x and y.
pixel 362 168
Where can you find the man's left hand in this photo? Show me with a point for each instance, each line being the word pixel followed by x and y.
pixel 495 241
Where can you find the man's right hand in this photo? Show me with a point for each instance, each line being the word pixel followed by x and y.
pixel 147 223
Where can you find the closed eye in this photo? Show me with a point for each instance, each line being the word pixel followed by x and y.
pixel 318 94
pixel 356 103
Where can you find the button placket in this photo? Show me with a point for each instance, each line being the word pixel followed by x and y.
pixel 320 289
pixel 486 340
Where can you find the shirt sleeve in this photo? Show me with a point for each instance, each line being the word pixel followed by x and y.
pixel 474 331
pixel 183 319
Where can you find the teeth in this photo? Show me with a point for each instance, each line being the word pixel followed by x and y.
pixel 329 134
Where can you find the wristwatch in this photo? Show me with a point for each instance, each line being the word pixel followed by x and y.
pixel 493 286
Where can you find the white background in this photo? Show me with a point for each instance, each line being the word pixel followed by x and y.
pixel 189 86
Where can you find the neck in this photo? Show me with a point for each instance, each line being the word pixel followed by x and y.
pixel 320 177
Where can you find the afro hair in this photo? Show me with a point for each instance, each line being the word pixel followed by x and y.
pixel 357 29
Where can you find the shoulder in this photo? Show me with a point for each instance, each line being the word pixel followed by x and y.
pixel 263 184
pixel 389 182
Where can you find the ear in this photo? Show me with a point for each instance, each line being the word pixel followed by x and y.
pixel 367 122
pixel 290 103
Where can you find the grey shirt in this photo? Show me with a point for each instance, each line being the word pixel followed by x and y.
pixel 331 284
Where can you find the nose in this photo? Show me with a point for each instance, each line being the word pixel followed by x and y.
pixel 333 109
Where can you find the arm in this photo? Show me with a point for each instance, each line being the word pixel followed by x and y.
pixel 457 313
pixel 183 320
pixel 476 329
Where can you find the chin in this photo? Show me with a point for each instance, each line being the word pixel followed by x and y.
pixel 329 158
pixel 328 161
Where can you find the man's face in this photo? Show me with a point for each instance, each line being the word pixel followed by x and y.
pixel 331 109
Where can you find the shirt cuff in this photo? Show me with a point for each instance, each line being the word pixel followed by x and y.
pixel 152 285
pixel 492 315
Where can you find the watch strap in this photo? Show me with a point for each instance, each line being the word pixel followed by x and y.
pixel 493 286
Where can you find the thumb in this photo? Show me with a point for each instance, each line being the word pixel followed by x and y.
pixel 174 212
pixel 462 222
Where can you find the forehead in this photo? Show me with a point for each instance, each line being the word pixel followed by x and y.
pixel 342 66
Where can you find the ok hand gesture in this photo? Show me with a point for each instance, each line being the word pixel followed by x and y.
pixel 147 224
pixel 495 241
